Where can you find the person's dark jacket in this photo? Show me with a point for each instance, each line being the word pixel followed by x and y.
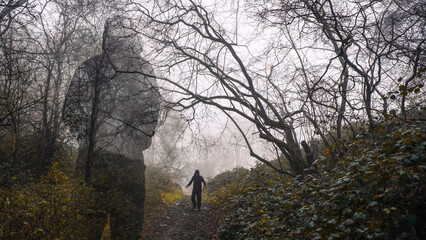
pixel 197 180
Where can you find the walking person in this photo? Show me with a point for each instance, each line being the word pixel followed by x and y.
pixel 196 190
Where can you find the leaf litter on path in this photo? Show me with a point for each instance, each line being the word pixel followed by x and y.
pixel 180 222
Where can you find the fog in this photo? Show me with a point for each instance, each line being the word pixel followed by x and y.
pixel 212 146
pixel 204 138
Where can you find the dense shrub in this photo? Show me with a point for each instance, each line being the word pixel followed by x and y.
pixel 161 189
pixel 20 157
pixel 55 207
pixel 60 205
pixel 227 177
pixel 376 192
pixel 119 190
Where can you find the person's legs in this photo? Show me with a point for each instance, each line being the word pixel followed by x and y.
pixel 193 200
pixel 199 200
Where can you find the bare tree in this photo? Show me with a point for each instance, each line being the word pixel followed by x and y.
pixel 192 39
pixel 113 100
pixel 284 90
pixel 57 44
pixel 169 149
pixel 16 81
pixel 9 10
pixel 368 39
pixel 15 84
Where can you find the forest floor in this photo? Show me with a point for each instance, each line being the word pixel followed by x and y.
pixel 180 222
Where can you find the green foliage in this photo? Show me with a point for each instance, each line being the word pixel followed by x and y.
pixel 21 158
pixel 59 205
pixel 119 190
pixel 227 177
pixel 375 192
pixel 55 207
pixel 161 189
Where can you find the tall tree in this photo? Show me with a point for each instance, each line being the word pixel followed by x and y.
pixel 169 149
pixel 197 43
pixel 284 89
pixel 9 10
pixel 368 40
pixel 113 101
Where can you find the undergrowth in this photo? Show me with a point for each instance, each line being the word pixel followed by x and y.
pixel 60 205
pixel 55 207
pixel 161 190
pixel 376 191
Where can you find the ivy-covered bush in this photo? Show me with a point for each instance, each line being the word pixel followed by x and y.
pixel 376 191
pixel 226 178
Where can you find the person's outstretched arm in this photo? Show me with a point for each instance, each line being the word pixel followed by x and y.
pixel 189 184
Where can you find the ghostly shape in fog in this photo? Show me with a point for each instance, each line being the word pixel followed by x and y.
pixel 113 100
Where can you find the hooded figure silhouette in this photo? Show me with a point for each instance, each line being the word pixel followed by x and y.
pixel 196 190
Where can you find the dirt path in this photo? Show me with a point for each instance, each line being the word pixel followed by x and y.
pixel 180 222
